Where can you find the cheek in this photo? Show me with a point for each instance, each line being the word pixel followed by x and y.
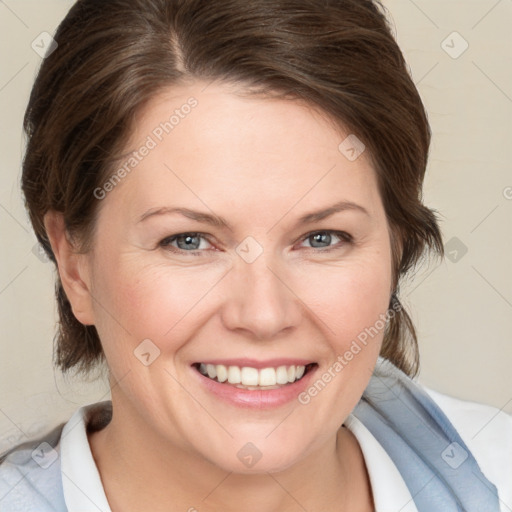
pixel 153 302
pixel 348 299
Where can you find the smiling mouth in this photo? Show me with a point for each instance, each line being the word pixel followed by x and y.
pixel 250 378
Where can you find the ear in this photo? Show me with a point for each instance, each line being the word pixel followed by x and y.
pixel 72 267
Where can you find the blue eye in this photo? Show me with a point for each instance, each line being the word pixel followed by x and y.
pixel 187 242
pixel 322 239
pixel 191 242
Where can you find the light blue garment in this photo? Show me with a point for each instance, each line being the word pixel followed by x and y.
pixel 29 486
pixel 438 468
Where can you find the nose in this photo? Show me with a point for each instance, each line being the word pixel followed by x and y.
pixel 261 301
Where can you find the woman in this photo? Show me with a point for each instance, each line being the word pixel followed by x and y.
pixel 231 192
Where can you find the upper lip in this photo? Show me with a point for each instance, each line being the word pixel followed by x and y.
pixel 255 363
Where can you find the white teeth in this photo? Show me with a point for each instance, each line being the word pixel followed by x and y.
pixel 222 373
pixel 249 376
pixel 234 375
pixel 267 377
pixel 212 372
pixel 282 375
pixel 252 377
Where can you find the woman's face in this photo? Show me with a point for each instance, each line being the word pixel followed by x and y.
pixel 264 279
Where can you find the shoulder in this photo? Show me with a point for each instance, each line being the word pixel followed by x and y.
pixel 30 476
pixel 487 432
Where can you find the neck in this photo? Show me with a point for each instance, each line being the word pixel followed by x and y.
pixel 136 465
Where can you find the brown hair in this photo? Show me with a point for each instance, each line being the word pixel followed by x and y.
pixel 112 57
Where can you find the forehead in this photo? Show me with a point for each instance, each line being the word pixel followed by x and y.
pixel 210 112
pixel 213 144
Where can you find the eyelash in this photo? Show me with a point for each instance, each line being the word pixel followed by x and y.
pixel 344 236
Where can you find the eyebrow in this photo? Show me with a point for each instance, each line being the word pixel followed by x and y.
pixel 220 222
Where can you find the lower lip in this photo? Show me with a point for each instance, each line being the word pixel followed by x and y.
pixel 256 399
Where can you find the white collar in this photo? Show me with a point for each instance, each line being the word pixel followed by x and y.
pixel 81 482
pixel 83 489
pixel 390 492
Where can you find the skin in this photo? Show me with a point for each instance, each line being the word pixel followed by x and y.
pixel 261 164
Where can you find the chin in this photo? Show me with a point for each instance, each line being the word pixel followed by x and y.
pixel 262 455
pixel 269 463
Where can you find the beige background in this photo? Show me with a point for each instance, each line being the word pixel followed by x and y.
pixel 462 307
